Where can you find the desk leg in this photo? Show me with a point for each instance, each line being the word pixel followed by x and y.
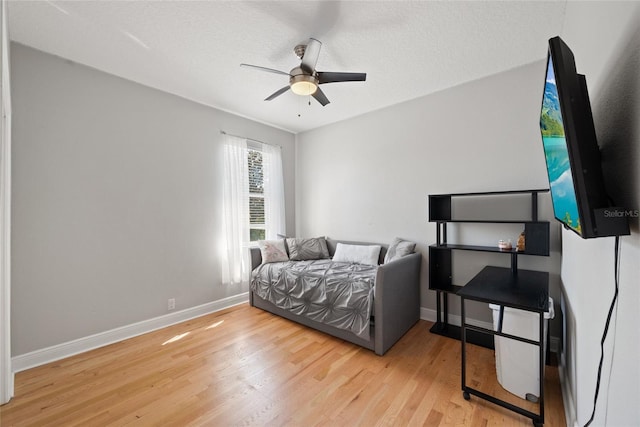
pixel 542 365
pixel 463 340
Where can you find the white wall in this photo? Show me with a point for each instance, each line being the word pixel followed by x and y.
pixel 368 178
pixel 6 374
pixel 116 200
pixel 605 39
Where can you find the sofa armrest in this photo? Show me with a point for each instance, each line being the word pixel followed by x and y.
pixel 397 300
pixel 256 257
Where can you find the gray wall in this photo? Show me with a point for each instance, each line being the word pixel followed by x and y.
pixel 116 200
pixel 368 178
pixel 605 39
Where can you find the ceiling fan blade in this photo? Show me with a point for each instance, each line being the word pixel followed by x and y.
pixel 311 53
pixel 269 70
pixel 321 97
pixel 277 93
pixel 328 77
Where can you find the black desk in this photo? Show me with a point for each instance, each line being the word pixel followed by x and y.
pixel 525 290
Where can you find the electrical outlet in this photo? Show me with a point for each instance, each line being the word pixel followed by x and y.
pixel 171 304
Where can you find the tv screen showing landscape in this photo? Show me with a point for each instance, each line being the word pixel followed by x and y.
pixel 563 194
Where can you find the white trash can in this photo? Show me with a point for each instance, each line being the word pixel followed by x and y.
pixel 517 362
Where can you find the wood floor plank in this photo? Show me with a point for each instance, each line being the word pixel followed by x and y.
pixel 243 366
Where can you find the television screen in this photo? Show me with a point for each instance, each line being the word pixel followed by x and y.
pixel 571 151
pixel 563 193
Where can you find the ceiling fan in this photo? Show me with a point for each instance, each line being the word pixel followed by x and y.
pixel 304 79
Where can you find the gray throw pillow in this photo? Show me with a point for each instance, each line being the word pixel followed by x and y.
pixel 307 249
pixel 398 249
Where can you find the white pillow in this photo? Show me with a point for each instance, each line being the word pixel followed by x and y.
pixel 361 254
pixel 272 251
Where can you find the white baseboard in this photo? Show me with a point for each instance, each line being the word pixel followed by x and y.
pixel 80 345
pixel 567 399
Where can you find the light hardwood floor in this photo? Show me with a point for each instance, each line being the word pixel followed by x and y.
pixel 243 366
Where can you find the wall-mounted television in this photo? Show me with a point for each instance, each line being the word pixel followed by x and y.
pixel 571 151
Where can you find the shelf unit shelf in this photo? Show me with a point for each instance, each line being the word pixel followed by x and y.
pixel 486 221
pixel 455 332
pixel 449 246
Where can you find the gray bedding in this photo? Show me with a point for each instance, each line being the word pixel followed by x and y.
pixel 338 294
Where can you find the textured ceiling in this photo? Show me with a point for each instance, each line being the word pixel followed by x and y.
pixel 193 49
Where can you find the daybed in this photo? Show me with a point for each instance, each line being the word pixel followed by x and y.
pixel 395 288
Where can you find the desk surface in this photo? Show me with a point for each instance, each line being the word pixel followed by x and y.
pixel 528 290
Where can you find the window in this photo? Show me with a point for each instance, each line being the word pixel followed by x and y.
pixel 257 223
pixel 252 202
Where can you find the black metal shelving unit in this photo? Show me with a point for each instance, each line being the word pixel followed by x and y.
pixel 506 287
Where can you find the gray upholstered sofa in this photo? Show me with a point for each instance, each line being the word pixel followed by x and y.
pixel 396 305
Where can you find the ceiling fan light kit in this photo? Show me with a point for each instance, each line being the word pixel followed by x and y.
pixel 304 79
pixel 303 84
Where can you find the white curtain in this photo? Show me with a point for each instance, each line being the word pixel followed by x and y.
pixel 273 191
pixel 236 262
pixel 6 374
